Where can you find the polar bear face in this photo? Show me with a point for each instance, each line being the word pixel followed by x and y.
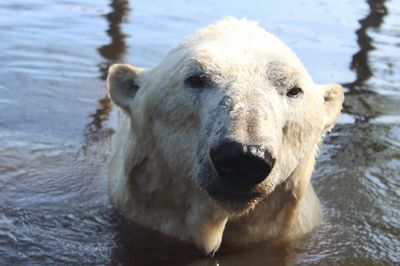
pixel 230 110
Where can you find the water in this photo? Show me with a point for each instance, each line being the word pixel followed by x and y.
pixel 55 125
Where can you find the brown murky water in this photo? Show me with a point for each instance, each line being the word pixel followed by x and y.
pixel 55 125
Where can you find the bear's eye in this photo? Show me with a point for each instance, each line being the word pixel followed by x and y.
pixel 196 82
pixel 294 92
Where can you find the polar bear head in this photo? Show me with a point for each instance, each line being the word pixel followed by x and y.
pixel 230 110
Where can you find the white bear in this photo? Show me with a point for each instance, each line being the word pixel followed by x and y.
pixel 218 142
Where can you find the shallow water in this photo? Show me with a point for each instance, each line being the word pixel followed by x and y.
pixel 55 125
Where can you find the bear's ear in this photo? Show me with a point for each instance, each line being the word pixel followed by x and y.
pixel 122 84
pixel 333 100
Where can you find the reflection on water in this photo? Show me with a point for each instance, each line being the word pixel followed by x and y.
pixel 113 53
pixel 115 50
pixel 360 61
pixel 53 203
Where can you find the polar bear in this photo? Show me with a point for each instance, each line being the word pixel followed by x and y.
pixel 217 143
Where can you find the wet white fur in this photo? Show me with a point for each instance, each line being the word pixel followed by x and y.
pixel 165 127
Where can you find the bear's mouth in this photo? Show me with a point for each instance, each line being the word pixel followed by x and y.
pixel 235 197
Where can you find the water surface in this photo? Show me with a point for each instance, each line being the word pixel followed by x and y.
pixel 55 126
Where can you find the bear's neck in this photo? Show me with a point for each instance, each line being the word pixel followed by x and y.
pixel 291 210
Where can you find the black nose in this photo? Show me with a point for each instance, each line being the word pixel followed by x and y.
pixel 241 165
